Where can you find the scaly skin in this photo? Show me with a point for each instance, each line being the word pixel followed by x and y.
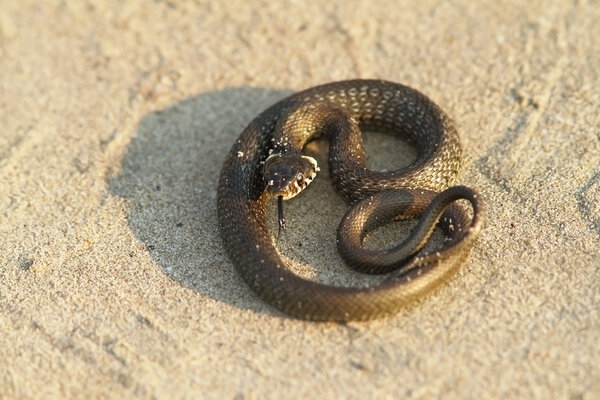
pixel 338 111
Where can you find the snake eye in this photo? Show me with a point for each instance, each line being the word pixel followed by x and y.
pixel 300 178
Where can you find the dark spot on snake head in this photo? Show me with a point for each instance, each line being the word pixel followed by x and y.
pixel 286 176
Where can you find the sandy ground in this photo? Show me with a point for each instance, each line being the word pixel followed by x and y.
pixel 114 123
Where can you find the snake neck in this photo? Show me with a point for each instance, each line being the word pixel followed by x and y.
pixel 299 125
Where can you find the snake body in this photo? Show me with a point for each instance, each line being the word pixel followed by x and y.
pixel 338 112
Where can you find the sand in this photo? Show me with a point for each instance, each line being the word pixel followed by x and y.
pixel 114 123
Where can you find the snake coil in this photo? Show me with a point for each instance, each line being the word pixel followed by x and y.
pixel 266 161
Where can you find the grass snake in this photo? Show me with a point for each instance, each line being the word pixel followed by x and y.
pixel 266 163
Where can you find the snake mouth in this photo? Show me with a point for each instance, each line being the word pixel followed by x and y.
pixel 293 188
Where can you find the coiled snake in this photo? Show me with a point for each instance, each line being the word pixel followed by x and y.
pixel 266 162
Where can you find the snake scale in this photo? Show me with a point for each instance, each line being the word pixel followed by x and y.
pixel 266 162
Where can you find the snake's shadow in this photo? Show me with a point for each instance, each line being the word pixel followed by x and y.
pixel 169 178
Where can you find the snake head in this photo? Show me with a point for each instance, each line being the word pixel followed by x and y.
pixel 286 176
